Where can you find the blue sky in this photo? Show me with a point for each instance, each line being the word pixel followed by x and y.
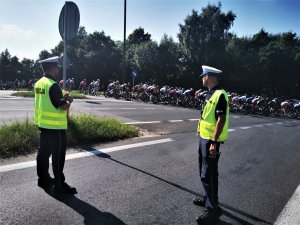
pixel 29 26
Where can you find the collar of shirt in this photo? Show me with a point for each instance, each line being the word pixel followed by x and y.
pixel 217 87
pixel 50 76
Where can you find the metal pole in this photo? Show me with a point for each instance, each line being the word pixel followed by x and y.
pixel 124 41
pixel 65 49
pixel 132 82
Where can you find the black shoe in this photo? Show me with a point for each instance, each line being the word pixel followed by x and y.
pixel 64 189
pixel 45 183
pixel 219 211
pixel 199 201
pixel 209 215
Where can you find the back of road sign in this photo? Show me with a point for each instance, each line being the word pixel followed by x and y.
pixel 71 12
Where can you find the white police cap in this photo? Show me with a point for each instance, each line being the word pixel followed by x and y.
pixel 211 71
pixel 57 60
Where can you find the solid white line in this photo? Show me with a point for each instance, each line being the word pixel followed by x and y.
pixel 175 121
pixel 107 108
pixel 106 100
pixel 16 109
pixel 24 165
pixel 290 214
pixel 8 98
pixel 142 122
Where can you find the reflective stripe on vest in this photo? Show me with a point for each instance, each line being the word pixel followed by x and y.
pixel 207 124
pixel 45 114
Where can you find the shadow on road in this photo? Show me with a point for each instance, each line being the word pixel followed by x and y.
pixel 93 102
pixel 92 216
pixel 226 213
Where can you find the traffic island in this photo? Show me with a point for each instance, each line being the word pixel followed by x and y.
pixel 30 94
pixel 22 137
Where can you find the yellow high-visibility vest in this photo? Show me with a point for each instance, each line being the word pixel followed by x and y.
pixel 45 114
pixel 207 123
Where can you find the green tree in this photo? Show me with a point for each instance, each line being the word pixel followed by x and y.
pixel 146 60
pixel 138 36
pixel 27 70
pixel 204 36
pixel 10 67
pixel 168 61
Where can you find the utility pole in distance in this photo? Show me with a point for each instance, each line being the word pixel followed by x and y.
pixel 124 42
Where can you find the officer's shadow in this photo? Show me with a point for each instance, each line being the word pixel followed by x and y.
pixel 226 208
pixel 92 216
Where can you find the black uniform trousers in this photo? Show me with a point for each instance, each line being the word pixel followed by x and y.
pixel 208 168
pixel 52 142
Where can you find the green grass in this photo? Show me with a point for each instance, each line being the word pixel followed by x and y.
pixel 77 95
pixel 30 94
pixel 18 138
pixel 26 94
pixel 22 137
pixel 86 129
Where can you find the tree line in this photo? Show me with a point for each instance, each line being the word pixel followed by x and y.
pixel 264 63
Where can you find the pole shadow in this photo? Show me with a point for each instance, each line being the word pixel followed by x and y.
pixel 225 212
pixel 92 215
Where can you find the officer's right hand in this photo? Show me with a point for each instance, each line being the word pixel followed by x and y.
pixel 68 97
pixel 213 150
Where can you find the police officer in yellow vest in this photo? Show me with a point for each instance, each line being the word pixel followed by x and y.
pixel 50 115
pixel 213 130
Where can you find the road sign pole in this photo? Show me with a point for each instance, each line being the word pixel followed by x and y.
pixel 65 49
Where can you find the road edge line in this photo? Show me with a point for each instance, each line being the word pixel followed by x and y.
pixel 290 213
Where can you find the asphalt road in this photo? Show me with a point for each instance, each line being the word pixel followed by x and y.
pixel 152 182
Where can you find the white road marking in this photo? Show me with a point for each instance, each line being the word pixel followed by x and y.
pixel 9 98
pixel 24 165
pixel 16 109
pixel 290 214
pixel 127 108
pixel 142 122
pixel 169 108
pixel 245 128
pixel 230 130
pixel 258 125
pixel 105 100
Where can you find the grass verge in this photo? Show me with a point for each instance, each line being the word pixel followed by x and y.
pixel 26 94
pixel 22 137
pixel 30 94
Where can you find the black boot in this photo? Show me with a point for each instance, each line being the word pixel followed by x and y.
pixel 46 182
pixel 199 201
pixel 209 215
pixel 64 188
